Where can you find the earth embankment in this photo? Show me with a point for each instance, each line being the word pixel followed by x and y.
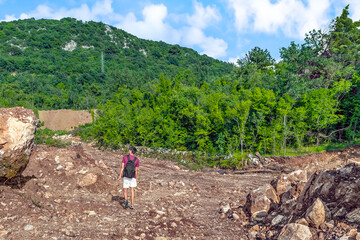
pixel 64 119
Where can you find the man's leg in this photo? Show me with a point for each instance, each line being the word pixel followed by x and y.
pixel 132 196
pixel 126 198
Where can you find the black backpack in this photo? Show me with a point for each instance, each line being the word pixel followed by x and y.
pixel 129 170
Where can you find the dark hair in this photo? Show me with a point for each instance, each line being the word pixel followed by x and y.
pixel 133 149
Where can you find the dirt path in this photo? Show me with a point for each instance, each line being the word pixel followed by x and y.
pixel 171 202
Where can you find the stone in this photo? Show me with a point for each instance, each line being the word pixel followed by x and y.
pixel 88 180
pixel 29 227
pixel 69 166
pixel 315 215
pixel 277 220
pixel 225 208
pixel 330 224
pixel 17 131
pixel 285 181
pixel 339 191
pixel 259 216
pixel 235 216
pixel 354 216
pixel 253 235
pixel 59 167
pixel 47 195
pixel 294 231
pixel 260 199
pixel 357 236
pixel 4 233
pixel 302 221
pixel 92 213
pixel 254 228
pixel 321 236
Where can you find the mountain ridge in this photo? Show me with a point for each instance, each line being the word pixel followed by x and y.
pixel 66 55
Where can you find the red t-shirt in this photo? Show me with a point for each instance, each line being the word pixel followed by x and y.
pixel 125 160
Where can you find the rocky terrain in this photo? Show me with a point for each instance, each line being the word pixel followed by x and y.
pixel 74 193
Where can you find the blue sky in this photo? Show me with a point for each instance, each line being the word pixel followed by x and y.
pixel 223 29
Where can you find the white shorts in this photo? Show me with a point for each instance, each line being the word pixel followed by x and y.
pixel 129 182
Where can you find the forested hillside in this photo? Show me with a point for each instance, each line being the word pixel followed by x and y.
pixel 51 64
pixel 184 101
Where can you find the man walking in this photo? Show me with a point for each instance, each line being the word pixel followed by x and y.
pixel 129 171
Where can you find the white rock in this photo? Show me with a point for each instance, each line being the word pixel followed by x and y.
pixel 92 213
pixel 59 167
pixel 225 209
pixel 29 227
pixel 69 166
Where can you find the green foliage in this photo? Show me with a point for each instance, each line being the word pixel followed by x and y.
pixel 47 137
pixel 37 69
pixel 169 97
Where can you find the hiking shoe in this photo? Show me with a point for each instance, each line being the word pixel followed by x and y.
pixel 126 204
pixel 132 207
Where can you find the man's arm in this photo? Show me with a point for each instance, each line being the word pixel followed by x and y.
pixel 137 173
pixel 121 170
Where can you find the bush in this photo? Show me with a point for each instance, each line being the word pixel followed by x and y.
pixel 46 136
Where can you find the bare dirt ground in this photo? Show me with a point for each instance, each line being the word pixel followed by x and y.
pixel 74 193
pixel 64 119
pixel 171 202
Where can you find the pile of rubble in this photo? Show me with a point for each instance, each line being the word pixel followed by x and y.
pixel 324 205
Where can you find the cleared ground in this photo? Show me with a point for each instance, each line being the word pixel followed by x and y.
pixel 64 119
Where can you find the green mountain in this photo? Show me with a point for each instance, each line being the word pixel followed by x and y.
pixel 164 96
pixel 67 63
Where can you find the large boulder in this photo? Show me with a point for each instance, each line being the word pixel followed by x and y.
pixel 288 187
pixel 17 129
pixel 339 192
pixel 261 199
pixel 294 231
pixel 315 215
pixel 294 181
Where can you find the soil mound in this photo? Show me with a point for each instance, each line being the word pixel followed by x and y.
pixel 64 119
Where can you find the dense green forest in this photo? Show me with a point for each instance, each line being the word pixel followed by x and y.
pixel 180 100
pixel 51 64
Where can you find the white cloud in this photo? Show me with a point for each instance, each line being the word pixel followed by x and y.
pixel 213 47
pixel 153 26
pixel 203 17
pixel 194 35
pixel 354 9
pixel 84 12
pixel 292 17
pixel 9 18
pixel 234 60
